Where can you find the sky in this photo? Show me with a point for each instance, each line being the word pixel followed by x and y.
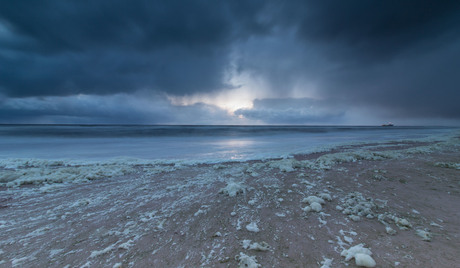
pixel 328 62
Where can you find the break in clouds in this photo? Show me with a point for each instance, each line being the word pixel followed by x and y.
pixel 230 62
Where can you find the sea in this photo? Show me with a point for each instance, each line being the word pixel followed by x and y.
pixel 194 143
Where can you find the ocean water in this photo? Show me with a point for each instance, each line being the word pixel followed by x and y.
pixel 199 143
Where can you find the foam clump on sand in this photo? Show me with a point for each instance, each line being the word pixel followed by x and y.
pixel 217 234
pixel 252 227
pixel 315 206
pixel 325 196
pixel 285 165
pixel 425 235
pixel 97 253
pixel 19 163
pixel 246 243
pixel 50 172
pixel 251 171
pixel 390 230
pixel 313 199
pixel 245 261
pixel 326 263
pixel 262 246
pixel 364 260
pixel 387 218
pixel 356 206
pixel 126 245
pixel 446 144
pixel 315 202
pixel 48 188
pixel 23 171
pixel 233 188
pixel 327 161
pixel 401 223
pixel 361 255
pixel 448 165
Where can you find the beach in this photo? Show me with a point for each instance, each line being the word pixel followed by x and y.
pixel 394 203
pixel 248 134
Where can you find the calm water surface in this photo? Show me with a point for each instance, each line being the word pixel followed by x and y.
pixel 97 142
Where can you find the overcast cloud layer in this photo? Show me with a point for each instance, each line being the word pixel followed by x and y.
pixel 294 62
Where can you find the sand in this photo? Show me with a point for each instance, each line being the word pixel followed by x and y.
pixel 398 200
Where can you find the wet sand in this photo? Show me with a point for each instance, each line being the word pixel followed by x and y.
pixel 187 216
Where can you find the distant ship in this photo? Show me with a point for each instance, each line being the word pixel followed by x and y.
pixel 389 124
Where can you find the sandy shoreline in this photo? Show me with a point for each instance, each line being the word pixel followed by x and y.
pixel 404 193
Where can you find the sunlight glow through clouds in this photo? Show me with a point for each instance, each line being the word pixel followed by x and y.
pixel 229 100
pixel 245 90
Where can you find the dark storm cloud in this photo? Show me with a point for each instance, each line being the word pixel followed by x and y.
pixel 397 59
pixel 378 30
pixel 396 56
pixel 102 47
pixel 399 55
